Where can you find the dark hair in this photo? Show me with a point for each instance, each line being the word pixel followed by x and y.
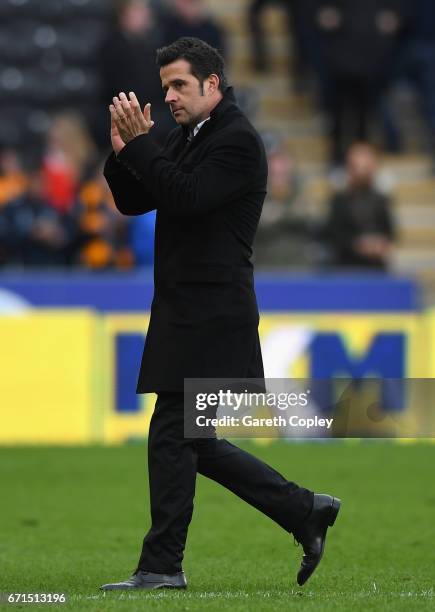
pixel 204 59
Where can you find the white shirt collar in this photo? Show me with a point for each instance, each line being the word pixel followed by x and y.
pixel 199 126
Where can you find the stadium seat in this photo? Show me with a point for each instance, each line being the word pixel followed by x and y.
pixel 48 61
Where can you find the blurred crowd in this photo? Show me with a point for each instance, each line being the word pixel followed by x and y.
pixel 350 54
pixel 56 209
pixel 55 205
pixel 356 231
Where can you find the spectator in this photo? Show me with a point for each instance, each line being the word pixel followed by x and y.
pixel 359 41
pixel 69 154
pixel 284 187
pixel 299 23
pixel 418 61
pixel 12 177
pixel 360 228
pixel 128 63
pixel 142 238
pixel 281 238
pixel 32 232
pixel 101 233
pixel 189 18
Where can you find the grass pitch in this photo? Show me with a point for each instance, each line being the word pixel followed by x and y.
pixel 73 518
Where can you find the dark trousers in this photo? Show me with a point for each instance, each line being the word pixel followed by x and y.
pixel 352 104
pixel 174 461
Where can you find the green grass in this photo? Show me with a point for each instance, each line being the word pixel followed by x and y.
pixel 74 518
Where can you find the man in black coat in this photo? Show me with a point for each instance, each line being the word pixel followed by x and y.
pixel 208 185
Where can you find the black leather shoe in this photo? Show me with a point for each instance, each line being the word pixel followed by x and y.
pixel 148 580
pixel 312 533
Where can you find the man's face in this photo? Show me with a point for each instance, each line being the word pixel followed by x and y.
pixel 362 164
pixel 189 103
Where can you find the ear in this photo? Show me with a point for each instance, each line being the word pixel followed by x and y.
pixel 213 83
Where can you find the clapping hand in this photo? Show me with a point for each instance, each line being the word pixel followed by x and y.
pixel 128 120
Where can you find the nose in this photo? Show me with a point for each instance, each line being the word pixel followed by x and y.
pixel 170 96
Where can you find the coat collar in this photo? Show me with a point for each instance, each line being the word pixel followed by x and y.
pixel 228 99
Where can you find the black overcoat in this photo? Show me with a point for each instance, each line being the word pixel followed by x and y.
pixel 208 194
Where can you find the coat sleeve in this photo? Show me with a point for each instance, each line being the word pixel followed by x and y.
pixel 130 194
pixel 233 161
